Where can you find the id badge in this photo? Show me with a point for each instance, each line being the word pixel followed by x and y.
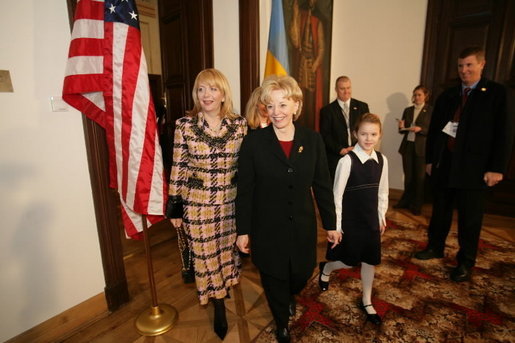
pixel 451 128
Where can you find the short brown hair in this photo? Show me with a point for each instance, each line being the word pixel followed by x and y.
pixel 285 83
pixel 368 118
pixel 473 51
pixel 424 90
pixel 341 78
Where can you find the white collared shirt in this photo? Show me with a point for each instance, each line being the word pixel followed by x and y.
pixel 342 176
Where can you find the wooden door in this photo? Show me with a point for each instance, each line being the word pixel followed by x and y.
pixel 453 25
pixel 186 30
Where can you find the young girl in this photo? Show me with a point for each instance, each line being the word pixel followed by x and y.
pixel 361 200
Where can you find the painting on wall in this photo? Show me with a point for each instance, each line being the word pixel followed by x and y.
pixel 309 28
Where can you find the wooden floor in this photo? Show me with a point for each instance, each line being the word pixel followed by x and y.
pixel 248 313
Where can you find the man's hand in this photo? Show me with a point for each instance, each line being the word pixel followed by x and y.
pixel 492 178
pixel 429 168
pixel 345 151
pixel 242 242
pixel 416 129
pixel 334 237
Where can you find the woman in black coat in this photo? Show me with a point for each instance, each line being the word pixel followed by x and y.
pixel 278 168
pixel 414 126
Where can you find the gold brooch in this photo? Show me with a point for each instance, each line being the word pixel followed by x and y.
pixel 301 148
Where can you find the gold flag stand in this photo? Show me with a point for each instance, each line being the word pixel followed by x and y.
pixel 160 318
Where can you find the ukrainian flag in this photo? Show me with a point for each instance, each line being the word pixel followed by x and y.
pixel 277 54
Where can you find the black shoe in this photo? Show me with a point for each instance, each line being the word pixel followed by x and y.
pixel 220 322
pixel 188 276
pixel 282 335
pixel 373 318
pixel 292 308
pixel 324 285
pixel 428 254
pixel 461 273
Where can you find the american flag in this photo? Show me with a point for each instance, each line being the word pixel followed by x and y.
pixel 106 79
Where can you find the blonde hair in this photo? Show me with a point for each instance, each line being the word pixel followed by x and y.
pixel 368 118
pixel 251 109
pixel 285 83
pixel 213 77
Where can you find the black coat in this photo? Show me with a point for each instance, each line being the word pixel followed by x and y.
pixel 274 203
pixel 423 120
pixel 483 141
pixel 334 129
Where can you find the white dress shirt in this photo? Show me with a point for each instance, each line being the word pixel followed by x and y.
pixel 340 182
pixel 416 112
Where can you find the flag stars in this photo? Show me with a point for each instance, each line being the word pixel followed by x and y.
pixel 112 8
pixel 133 15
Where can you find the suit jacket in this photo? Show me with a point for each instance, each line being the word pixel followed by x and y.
pixel 274 202
pixel 334 129
pixel 423 120
pixel 204 166
pixel 483 140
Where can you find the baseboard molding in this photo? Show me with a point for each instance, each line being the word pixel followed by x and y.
pixel 65 324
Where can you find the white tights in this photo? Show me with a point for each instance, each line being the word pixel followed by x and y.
pixel 367 279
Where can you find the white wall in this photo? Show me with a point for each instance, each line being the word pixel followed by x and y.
pixel 49 252
pixel 379 45
pixel 226 42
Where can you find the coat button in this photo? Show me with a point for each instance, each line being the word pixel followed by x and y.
pixel 290 170
pixel 290 217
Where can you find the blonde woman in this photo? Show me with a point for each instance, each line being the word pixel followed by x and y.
pixel 279 166
pixel 203 188
pixel 255 111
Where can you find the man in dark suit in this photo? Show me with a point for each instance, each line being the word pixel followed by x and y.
pixel 337 121
pixel 468 147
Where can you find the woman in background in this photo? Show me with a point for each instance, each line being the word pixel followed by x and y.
pixel 203 188
pixel 414 126
pixel 255 111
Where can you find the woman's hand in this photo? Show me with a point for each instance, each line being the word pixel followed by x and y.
pixel 176 222
pixel 334 237
pixel 401 124
pixel 242 242
pixel 416 129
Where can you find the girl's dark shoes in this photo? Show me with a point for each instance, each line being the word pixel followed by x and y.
pixel 220 322
pixel 324 285
pixel 373 318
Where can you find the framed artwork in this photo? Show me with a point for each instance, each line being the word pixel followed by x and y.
pixel 309 28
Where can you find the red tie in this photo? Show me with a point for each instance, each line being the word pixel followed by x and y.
pixel 457 115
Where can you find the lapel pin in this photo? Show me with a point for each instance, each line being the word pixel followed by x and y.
pixel 301 148
pixel 483 89
pixel 354 108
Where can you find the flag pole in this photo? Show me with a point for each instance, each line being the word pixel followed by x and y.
pixel 160 318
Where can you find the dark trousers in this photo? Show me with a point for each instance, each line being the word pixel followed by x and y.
pixel 414 168
pixel 279 293
pixel 470 206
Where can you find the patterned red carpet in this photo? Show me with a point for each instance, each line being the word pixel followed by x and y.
pixel 416 299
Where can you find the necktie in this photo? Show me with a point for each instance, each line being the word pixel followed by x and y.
pixel 347 122
pixel 457 116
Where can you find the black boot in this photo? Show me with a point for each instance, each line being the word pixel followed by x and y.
pixel 220 322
